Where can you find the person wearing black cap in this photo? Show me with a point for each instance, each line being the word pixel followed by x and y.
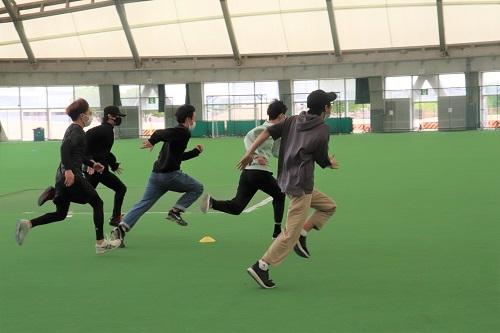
pixel 71 185
pixel 304 142
pixel 100 140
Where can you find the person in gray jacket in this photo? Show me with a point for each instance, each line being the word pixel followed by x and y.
pixel 304 142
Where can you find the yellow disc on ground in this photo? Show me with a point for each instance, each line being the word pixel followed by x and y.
pixel 207 239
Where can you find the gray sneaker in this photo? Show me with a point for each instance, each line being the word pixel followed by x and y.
pixel 107 245
pixel 22 229
pixel 206 203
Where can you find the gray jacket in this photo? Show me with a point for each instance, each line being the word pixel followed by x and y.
pixel 304 142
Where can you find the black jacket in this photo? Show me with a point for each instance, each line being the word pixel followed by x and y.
pixel 73 151
pixel 100 140
pixel 172 152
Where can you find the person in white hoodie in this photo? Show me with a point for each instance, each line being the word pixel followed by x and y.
pixel 304 142
pixel 257 175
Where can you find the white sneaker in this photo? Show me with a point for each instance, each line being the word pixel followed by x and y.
pixel 22 229
pixel 206 203
pixel 107 245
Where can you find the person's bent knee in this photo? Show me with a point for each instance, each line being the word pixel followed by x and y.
pixel 96 202
pixel 122 190
pixel 59 216
pixel 199 188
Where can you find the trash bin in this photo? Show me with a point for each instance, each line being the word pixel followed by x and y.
pixel 39 134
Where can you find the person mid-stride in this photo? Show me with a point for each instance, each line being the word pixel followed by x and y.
pixel 71 185
pixel 167 174
pixel 304 142
pixel 100 140
pixel 257 175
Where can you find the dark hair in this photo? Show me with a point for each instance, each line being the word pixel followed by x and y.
pixel 183 112
pixel 276 108
pixel 318 99
pixel 76 108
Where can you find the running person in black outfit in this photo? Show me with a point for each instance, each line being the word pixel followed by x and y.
pixel 166 175
pixel 71 185
pixel 100 140
pixel 257 175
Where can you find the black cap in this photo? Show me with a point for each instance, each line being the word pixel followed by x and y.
pixel 114 111
pixel 319 98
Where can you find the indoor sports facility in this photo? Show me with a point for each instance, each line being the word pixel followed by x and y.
pixel 413 245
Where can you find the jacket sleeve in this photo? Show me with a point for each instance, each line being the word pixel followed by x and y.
pixel 321 153
pixel 276 130
pixel 187 155
pixel 66 148
pixel 113 164
pixel 164 135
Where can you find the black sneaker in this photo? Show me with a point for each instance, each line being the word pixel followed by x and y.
pixel 300 248
pixel 115 220
pixel 119 233
pixel 260 276
pixel 176 217
pixel 47 195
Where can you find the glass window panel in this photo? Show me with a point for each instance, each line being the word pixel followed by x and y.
pixel 97 115
pixel 149 90
pixel 151 120
pixel 335 85
pixel 11 123
pixel 59 96
pixel 398 82
pixel 33 118
pixel 9 97
pixel 269 89
pixel 33 97
pixel 214 89
pixel 452 80
pixel 175 94
pixel 305 86
pixel 398 87
pixel 128 91
pixel 241 88
pixel 350 89
pixel 59 122
pixel 491 78
pixel 90 94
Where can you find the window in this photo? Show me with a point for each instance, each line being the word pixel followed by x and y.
pixel 175 94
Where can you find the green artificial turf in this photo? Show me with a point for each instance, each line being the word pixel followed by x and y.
pixel 414 246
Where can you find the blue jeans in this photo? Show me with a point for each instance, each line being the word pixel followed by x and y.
pixel 158 185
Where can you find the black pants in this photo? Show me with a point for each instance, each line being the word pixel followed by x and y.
pixel 80 192
pixel 111 181
pixel 250 182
